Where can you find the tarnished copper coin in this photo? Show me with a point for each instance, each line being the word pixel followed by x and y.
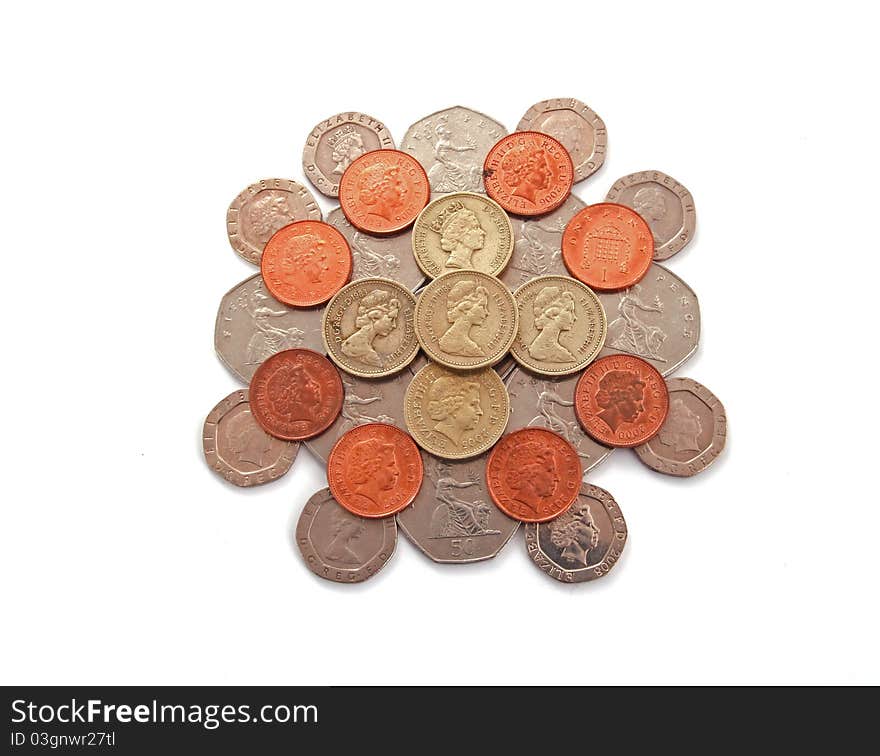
pixel 533 474
pixel 296 394
pixel 608 246
pixel 305 263
pixel 528 173
pixel 383 191
pixel 375 470
pixel 621 400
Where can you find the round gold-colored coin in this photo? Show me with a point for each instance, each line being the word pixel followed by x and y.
pixel 456 415
pixel 462 231
pixel 561 328
pixel 466 320
pixel 369 327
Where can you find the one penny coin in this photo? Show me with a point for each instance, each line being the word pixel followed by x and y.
pixel 306 263
pixel 608 246
pixel 528 173
pixel 296 394
pixel 621 400
pixel 693 434
pixel 533 474
pixel 369 327
pixel 382 192
pixel 375 470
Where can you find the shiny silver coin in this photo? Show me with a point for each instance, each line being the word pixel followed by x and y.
pixel 453 518
pixel 583 543
pixel 452 145
pixel 340 546
pixel 658 320
pixel 548 402
pixel 252 325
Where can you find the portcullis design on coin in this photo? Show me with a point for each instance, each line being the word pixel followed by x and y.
pixel 621 400
pixel 607 246
pixel 306 263
pixel 375 470
pixel 528 173
pixel 383 192
pixel 582 544
pixel 340 546
pixel 296 394
pixel 533 474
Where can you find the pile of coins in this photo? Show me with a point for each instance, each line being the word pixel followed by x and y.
pixel 461 341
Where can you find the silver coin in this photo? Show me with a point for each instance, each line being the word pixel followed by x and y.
pixel 548 402
pixel 582 544
pixel 665 204
pixel 537 245
pixel 658 320
pixel 452 145
pixel 336 142
pixel 340 546
pixel 365 400
pixel 693 434
pixel 579 129
pixel 264 207
pixel 238 449
pixel 453 518
pixel 379 256
pixel 252 325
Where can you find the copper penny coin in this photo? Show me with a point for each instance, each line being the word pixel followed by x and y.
pixel 383 191
pixel 621 400
pixel 533 474
pixel 306 263
pixel 528 173
pixel 608 246
pixel 296 394
pixel 375 470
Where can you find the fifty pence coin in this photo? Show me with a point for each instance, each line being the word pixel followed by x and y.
pixel 379 256
pixel 340 546
pixel 306 263
pixel 456 415
pixel 264 207
pixel 658 320
pixel 375 470
pixel 383 191
pixel 545 402
pixel 238 449
pixel 665 204
pixel 621 400
pixel 528 173
pixel 452 145
pixel 693 434
pixel 453 519
pixel 338 141
pixel 537 247
pixel 252 325
pixel 369 327
pixel 533 474
pixel 462 231
pixel 607 246
pixel 584 543
pixel 365 400
pixel 466 320
pixel 296 394
pixel 561 325
pixel 579 129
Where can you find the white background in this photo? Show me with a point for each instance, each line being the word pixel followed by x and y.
pixel 126 134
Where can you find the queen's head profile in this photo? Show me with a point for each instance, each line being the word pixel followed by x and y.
pixel 467 305
pixel 554 313
pixel 460 235
pixel 381 189
pixel 266 214
pixel 620 397
pixel 348 146
pixel 682 428
pixel 376 316
pixel 575 534
pixel 526 171
pixel 372 469
pixel 455 406
pixel 304 255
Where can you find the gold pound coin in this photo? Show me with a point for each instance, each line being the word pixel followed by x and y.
pixel 466 320
pixel 462 231
pixel 561 328
pixel 456 415
pixel 369 327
